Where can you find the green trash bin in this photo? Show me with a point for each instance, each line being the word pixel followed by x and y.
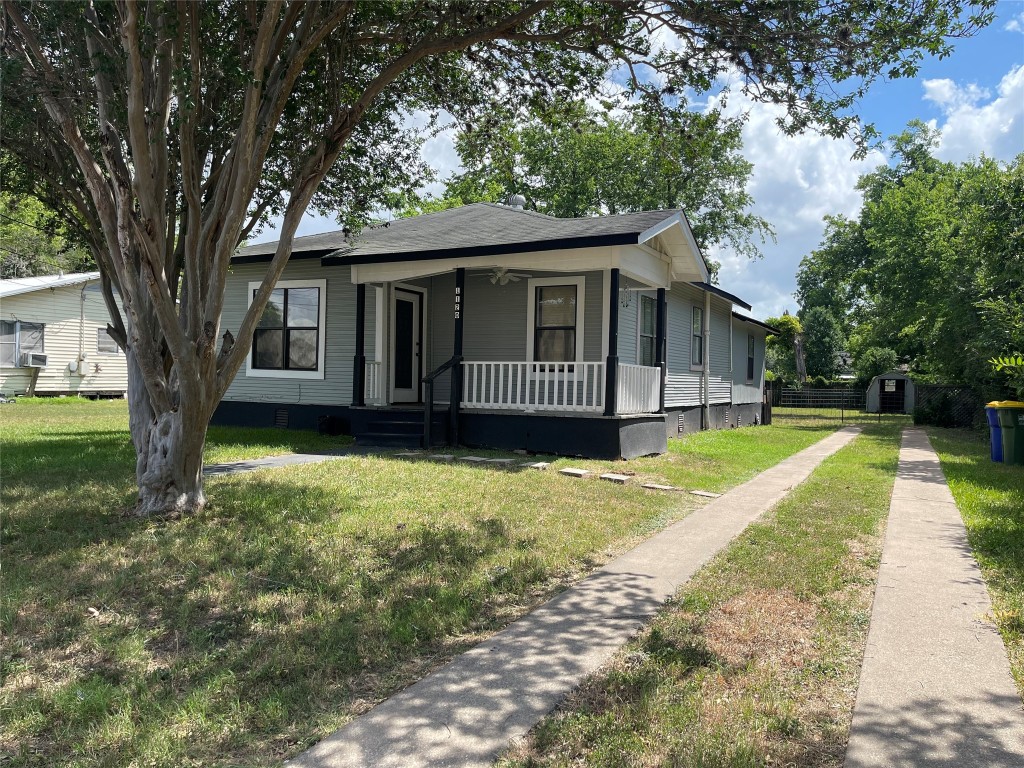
pixel 1011 421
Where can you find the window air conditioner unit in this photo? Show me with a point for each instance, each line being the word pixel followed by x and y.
pixel 33 360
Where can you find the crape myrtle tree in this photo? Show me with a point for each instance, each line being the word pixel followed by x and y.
pixel 167 132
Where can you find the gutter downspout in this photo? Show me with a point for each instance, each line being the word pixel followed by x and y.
pixel 706 375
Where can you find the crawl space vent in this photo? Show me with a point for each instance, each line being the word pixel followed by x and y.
pixel 281 418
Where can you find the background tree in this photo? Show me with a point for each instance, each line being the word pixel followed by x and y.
pixel 35 241
pixel 933 269
pixel 780 350
pixel 874 361
pixel 574 159
pixel 168 132
pixel 823 341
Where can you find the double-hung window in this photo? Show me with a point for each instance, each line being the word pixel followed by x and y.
pixel 289 337
pixel 18 338
pixel 554 333
pixel 697 339
pixel 750 357
pixel 646 330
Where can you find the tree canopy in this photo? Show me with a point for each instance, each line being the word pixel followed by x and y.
pixel 575 159
pixel 933 268
pixel 823 341
pixel 167 132
pixel 34 240
pixel 780 350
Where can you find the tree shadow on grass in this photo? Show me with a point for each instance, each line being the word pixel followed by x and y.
pixel 254 625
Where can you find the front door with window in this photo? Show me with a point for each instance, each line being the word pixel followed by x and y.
pixel 406 368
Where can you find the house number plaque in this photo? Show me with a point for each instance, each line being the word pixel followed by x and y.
pixel 458 302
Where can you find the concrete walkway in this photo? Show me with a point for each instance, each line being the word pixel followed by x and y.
pixel 468 711
pixel 271 462
pixel 935 689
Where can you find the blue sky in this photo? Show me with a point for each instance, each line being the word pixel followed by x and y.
pixel 975 97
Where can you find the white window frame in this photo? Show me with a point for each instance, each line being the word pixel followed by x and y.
pixel 17 341
pixel 750 361
pixel 272 373
pixel 694 334
pixel 117 349
pixel 639 324
pixel 580 281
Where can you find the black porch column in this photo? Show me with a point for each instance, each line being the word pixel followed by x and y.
pixel 456 370
pixel 660 353
pixel 611 363
pixel 359 361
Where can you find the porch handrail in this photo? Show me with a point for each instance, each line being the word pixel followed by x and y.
pixel 533 386
pixel 373 383
pixel 428 405
pixel 639 389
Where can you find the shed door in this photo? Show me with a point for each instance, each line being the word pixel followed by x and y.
pixel 891 393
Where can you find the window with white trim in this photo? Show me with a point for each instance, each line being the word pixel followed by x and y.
pixel 555 319
pixel 750 357
pixel 19 338
pixel 646 330
pixel 697 339
pixel 289 337
pixel 105 344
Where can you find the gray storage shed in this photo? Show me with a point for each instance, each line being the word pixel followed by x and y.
pixel 890 392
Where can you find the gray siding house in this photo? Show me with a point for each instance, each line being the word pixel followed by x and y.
pixel 492 326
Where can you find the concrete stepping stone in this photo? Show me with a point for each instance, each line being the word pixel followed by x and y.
pixel 657 487
pixel 443 456
pixel 473 459
pixel 408 453
pixel 706 494
pixel 574 472
pixel 612 477
pixel 502 462
pixel 536 464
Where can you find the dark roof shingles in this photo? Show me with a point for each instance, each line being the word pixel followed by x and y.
pixel 471 226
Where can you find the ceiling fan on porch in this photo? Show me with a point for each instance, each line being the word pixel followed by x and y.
pixel 502 276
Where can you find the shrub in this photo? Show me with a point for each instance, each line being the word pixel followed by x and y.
pixel 937 413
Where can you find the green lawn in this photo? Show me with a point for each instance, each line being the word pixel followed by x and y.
pixel 756 660
pixel 991 501
pixel 298 598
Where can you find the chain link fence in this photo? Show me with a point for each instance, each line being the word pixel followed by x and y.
pixel 841 405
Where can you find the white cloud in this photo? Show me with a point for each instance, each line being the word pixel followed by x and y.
pixel 995 128
pixel 1016 24
pixel 796 181
pixel 949 96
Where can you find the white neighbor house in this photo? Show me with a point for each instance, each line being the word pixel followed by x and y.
pixel 53 338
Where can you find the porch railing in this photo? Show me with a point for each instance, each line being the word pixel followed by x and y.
pixel 533 386
pixel 638 389
pixel 374 392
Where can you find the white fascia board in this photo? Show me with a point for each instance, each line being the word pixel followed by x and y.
pixel 645 266
pixel 572 260
pixel 691 267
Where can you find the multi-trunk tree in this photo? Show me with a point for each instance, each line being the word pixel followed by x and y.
pixel 167 132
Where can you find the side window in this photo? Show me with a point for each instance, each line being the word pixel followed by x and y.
pixel 750 357
pixel 646 330
pixel 8 343
pixel 105 345
pixel 697 340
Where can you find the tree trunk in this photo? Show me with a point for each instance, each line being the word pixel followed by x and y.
pixel 168 450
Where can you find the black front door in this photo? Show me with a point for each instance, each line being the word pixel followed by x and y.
pixel 406 372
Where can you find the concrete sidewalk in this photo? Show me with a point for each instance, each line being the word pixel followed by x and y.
pixel 468 711
pixel 271 462
pixel 935 688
